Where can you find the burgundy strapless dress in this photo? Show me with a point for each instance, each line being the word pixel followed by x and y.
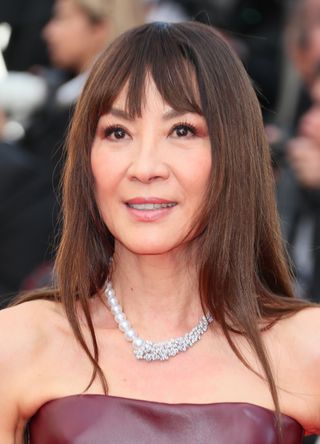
pixel 99 419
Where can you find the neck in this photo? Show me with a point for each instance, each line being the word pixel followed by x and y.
pixel 158 293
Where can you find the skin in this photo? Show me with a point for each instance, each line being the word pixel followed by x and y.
pixel 304 158
pixel 158 295
pixel 73 40
pixel 304 150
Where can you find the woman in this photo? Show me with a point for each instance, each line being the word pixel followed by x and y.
pixel 169 217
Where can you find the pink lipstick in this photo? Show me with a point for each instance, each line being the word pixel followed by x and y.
pixel 149 209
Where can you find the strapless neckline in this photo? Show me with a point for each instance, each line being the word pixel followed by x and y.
pixel 108 419
pixel 115 398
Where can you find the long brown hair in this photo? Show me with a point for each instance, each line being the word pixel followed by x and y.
pixel 244 279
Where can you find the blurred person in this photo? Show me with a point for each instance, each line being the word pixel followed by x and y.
pixel 78 31
pixel 310 123
pixel 303 38
pixel 303 154
pixel 171 222
pixel 304 149
pixel 300 59
pixel 298 175
pixel 304 158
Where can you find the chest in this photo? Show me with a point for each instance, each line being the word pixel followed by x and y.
pixel 109 420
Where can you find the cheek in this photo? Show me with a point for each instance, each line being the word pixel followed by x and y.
pixel 197 174
pixel 107 180
pixel 70 37
pixel 102 187
pixel 83 32
pixel 104 192
pixel 99 177
pixel 316 117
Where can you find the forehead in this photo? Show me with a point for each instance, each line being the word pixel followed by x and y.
pixel 150 96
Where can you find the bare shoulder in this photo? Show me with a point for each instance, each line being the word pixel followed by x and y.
pixel 24 333
pixel 312 314
pixel 24 324
pixel 295 347
pixel 305 327
pixel 300 332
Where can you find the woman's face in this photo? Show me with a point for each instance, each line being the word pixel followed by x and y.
pixel 72 39
pixel 151 173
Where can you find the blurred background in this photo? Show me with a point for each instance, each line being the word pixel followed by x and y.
pixel 46 50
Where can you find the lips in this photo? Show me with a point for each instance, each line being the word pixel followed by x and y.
pixel 149 209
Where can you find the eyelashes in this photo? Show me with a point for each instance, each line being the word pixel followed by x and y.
pixel 178 130
pixel 116 130
pixel 182 129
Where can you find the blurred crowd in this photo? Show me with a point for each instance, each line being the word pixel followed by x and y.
pixel 46 50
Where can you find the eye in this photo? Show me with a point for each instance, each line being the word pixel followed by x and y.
pixel 115 133
pixel 184 130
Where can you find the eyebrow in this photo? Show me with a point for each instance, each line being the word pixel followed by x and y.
pixel 168 115
pixel 172 114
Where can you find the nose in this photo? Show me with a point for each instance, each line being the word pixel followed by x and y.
pixel 148 163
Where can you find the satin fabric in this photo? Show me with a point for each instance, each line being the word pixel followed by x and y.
pixel 99 419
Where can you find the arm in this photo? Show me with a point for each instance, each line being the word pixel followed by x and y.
pixel 9 418
pixel 17 347
pixel 308 325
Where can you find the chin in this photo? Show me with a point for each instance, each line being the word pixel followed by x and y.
pixel 150 247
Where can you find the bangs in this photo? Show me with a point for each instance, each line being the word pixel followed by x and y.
pixel 166 61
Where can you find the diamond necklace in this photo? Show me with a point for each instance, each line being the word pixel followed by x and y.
pixel 148 350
